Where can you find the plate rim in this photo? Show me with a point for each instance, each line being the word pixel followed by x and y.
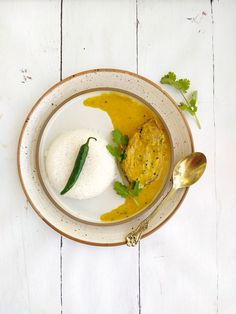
pixel 112 70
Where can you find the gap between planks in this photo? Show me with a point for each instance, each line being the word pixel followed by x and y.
pixel 61 71
pixel 137 70
pixel 214 117
pixel 61 238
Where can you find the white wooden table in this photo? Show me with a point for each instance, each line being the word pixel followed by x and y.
pixel 189 265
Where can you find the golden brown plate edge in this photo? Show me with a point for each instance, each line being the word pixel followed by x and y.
pixel 31 112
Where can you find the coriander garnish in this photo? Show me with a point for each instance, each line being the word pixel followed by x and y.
pixel 121 141
pixel 182 85
pixel 118 151
pixel 132 190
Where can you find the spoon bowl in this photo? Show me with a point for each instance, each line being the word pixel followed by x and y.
pixel 189 170
pixel 186 172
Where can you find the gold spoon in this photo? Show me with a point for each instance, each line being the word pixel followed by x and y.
pixel 186 172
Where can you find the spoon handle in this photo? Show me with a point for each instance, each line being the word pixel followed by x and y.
pixel 134 236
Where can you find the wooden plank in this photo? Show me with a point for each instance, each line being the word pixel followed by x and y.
pixel 29 57
pixel 98 34
pixel 225 113
pixel 103 280
pixel 178 263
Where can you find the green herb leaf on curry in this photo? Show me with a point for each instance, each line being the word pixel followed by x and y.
pixel 121 141
pixel 113 150
pixel 132 190
pixel 135 188
pixel 119 138
pixel 121 189
pixel 116 152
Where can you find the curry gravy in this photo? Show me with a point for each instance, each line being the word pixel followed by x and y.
pixel 127 114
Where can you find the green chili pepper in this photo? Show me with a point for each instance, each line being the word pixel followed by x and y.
pixel 79 163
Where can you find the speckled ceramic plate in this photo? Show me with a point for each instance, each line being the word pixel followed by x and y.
pixel 70 115
pixel 81 83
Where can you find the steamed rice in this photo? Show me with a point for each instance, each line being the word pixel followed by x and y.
pixel 98 171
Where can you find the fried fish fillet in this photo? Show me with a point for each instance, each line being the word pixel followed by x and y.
pixel 144 153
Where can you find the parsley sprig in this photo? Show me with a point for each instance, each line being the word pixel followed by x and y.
pixel 132 190
pixel 182 85
pixel 121 141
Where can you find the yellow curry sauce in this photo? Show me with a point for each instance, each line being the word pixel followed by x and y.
pixel 128 115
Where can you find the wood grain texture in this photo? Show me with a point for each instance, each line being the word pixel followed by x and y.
pixel 225 167
pixel 179 261
pixel 98 280
pixel 29 259
pixel 188 266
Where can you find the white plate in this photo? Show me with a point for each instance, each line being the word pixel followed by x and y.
pixel 83 83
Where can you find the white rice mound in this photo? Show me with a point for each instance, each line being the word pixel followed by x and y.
pixel 98 171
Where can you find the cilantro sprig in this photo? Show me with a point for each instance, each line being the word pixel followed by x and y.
pixel 182 85
pixel 118 151
pixel 121 141
pixel 119 138
pixel 132 190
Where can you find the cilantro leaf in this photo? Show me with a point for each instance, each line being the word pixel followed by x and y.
pixel 125 191
pixel 182 85
pixel 113 150
pixel 169 78
pixel 116 152
pixel 121 141
pixel 193 101
pixel 135 188
pixel 190 106
pixel 119 138
pixel 121 189
pixel 185 107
